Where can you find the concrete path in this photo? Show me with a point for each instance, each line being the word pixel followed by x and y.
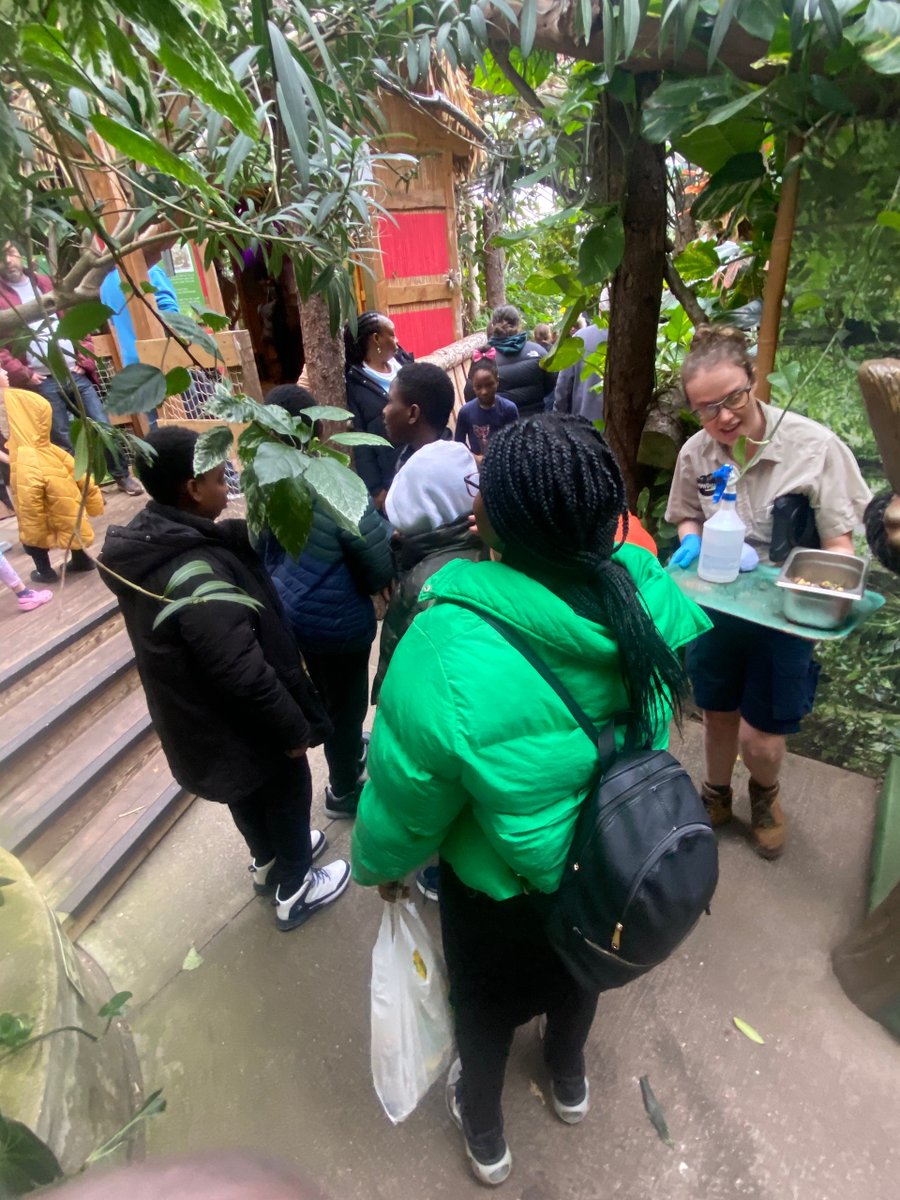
pixel 265 1046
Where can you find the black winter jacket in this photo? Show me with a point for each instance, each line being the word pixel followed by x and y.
pixel 326 592
pixel 417 556
pixel 522 379
pixel 225 683
pixel 375 465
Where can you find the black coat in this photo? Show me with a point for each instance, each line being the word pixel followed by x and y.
pixel 522 379
pixel 225 683
pixel 375 465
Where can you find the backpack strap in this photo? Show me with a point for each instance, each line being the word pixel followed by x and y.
pixel 604 738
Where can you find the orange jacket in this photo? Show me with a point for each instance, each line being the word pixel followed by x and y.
pixel 637 535
pixel 42 478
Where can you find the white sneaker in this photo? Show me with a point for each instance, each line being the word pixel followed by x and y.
pixel 260 873
pixel 571 1101
pixel 321 886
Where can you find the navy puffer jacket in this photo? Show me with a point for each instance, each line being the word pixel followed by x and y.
pixel 326 592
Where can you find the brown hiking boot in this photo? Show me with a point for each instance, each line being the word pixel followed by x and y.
pixel 717 802
pixel 766 820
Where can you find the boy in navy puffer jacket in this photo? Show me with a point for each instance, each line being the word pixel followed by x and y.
pixel 326 593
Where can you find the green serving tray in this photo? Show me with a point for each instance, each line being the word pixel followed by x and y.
pixel 754 597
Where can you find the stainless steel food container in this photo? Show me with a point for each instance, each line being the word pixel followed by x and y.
pixel 809 603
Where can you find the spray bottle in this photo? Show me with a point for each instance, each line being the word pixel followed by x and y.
pixel 723 533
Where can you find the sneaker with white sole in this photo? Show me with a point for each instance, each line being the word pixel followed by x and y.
pixel 260 874
pixel 489 1156
pixel 321 886
pixel 342 808
pixel 571 1097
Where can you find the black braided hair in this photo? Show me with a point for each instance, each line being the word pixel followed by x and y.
pixel 355 348
pixel 554 493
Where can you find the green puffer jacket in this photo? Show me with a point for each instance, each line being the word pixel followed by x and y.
pixel 472 753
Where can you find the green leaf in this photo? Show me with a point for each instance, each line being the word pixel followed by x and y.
pixel 326 412
pixel 805 302
pixel 655 1112
pixel 137 388
pixel 26 1162
pixel 212 448
pixel 192 960
pixel 889 218
pixel 601 251
pixel 289 513
pixel 341 492
pixel 169 610
pixel 178 380
pixel 230 102
pixel 711 146
pixel 143 149
pixel 698 260
pixel 216 321
pixel 358 439
pixel 189 571
pixel 115 1006
pixel 153 1105
pixel 831 19
pixel 188 329
pixel 81 447
pixel 240 148
pixel 830 96
pixel 527 26
pixel 726 111
pixel 15 1028
pixel 83 319
pixel 724 17
pixel 748 1031
pixel 566 353
pixel 883 56
pixel 274 461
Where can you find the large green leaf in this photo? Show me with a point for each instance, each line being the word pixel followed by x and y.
pixel 567 352
pixel 527 26
pixel 83 319
pixel 325 412
pixel 601 251
pixel 356 438
pixel 135 144
pixel 698 260
pixel 26 1162
pixel 190 570
pixel 188 329
pixel 274 461
pixel 212 448
pixel 883 55
pixel 342 492
pixel 230 102
pixel 711 146
pixel 136 389
pixel 289 513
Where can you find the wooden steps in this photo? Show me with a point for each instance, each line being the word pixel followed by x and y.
pixel 85 791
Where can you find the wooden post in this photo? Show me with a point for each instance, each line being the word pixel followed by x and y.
pixel 776 276
pixel 879 382
pixel 494 259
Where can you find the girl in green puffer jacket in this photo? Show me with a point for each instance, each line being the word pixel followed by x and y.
pixel 474 756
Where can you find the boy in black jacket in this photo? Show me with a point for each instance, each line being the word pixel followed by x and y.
pixel 227 692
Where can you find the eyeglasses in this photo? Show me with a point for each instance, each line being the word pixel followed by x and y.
pixel 734 402
pixel 473 485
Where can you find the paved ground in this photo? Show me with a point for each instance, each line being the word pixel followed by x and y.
pixel 265 1045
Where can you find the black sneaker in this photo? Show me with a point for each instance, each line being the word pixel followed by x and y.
pixel 342 808
pixel 489 1156
pixel 49 576
pixel 427 880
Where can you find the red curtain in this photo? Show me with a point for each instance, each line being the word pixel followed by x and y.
pixel 416 245
pixel 425 330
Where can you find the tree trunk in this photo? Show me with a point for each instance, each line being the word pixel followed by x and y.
pixel 776 276
pixel 637 178
pixel 494 259
pixel 469 243
pixel 324 365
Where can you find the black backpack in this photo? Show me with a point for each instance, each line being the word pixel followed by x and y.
pixel 643 864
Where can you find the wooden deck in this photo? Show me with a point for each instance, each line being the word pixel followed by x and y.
pixel 85 791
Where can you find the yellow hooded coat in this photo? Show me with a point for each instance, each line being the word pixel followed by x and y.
pixel 42 478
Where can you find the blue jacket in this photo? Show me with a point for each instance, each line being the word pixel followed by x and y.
pixel 113 297
pixel 326 592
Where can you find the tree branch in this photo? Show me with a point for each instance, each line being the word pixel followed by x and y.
pixel 436 102
pixel 522 86
pixel 684 295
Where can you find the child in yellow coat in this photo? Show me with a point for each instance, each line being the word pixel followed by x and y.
pixel 43 485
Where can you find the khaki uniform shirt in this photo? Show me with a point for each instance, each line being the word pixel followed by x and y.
pixel 802 458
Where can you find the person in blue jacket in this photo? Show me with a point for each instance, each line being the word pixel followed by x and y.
pixel 326 593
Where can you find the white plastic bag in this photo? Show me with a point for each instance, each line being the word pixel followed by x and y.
pixel 412 1036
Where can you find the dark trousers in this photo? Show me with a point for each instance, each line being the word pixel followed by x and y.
pixel 41 557
pixel 64 404
pixel 342 680
pixel 274 822
pixel 504 972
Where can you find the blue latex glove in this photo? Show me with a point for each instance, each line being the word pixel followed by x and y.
pixel 749 558
pixel 688 551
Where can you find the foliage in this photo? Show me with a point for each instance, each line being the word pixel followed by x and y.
pixel 26 1161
